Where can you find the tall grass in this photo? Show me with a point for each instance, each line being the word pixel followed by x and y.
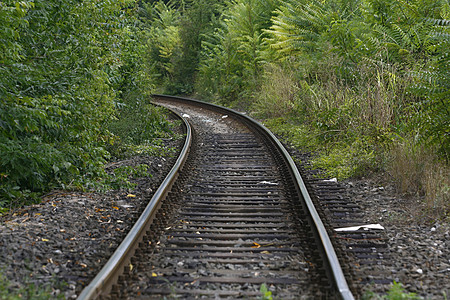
pixel 417 171
pixel 356 126
pixel 276 97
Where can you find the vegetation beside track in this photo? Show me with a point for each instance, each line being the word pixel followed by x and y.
pixel 29 291
pixel 365 84
pixel 74 86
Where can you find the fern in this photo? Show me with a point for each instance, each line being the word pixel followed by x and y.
pixel 298 27
pixel 434 85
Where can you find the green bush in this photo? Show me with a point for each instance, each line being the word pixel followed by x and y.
pixel 137 130
pixel 66 69
pixel 299 135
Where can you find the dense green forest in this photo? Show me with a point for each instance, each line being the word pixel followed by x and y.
pixel 363 84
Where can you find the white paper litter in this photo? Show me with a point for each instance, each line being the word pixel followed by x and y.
pixel 126 206
pixel 356 228
pixel 225 116
pixel 186 116
pixel 331 180
pixel 268 182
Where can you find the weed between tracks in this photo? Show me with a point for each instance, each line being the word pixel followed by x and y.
pixel 265 293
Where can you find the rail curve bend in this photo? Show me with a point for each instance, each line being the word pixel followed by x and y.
pixel 103 282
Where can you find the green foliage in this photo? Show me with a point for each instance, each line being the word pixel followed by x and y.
pixel 164 42
pixel 28 291
pixel 433 84
pixel 237 49
pixel 195 23
pixel 265 293
pixel 298 26
pixel 176 33
pixel 299 135
pixel 219 71
pixel 49 129
pixel 120 178
pixel 139 124
pixel 66 69
pixel 11 18
pixel 343 161
pixel 277 94
pixel 136 131
pixel 396 292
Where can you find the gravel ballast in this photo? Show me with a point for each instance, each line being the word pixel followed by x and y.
pixel 64 241
pixel 417 247
pixel 419 250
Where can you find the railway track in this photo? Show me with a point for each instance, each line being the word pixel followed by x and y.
pixel 232 217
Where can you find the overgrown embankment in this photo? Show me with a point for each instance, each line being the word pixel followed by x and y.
pixel 365 84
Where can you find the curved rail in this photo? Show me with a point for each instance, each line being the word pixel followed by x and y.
pixel 333 261
pixel 108 275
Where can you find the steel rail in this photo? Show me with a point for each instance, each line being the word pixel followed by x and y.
pixel 110 272
pixel 333 261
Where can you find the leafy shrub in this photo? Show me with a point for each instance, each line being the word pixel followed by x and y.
pixel 65 68
pixel 232 56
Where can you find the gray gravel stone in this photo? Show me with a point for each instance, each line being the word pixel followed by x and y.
pixel 64 241
pixel 69 236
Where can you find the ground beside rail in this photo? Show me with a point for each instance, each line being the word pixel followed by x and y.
pixel 63 242
pixel 419 250
pixel 68 237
